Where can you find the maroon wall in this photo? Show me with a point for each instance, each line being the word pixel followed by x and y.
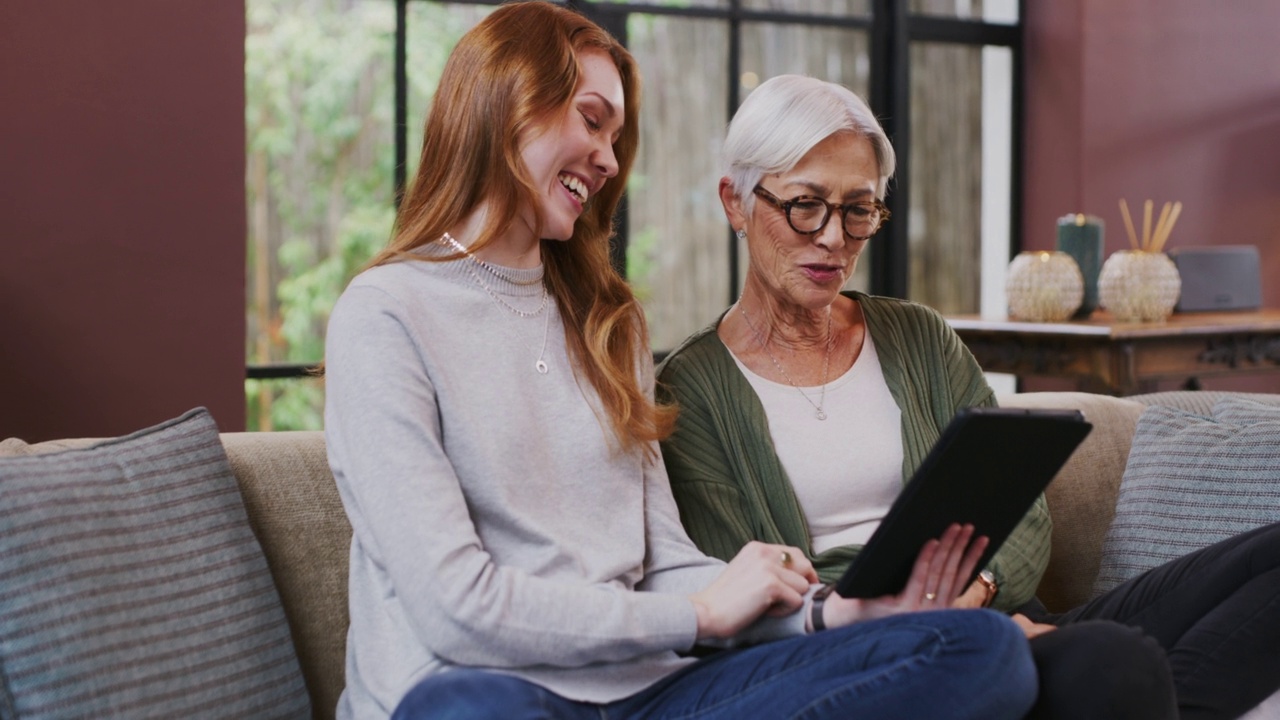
pixel 1160 99
pixel 122 180
pixel 122 215
pixel 1157 99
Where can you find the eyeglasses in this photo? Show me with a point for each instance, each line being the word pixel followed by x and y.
pixel 808 214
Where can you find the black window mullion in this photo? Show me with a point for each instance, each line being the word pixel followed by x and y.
pixel 926 28
pixel 1016 151
pixel 734 99
pixel 402 99
pixel 891 101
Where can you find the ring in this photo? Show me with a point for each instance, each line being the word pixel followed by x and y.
pixel 931 596
pixel 785 559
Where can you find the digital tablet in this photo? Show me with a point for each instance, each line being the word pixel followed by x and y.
pixel 987 469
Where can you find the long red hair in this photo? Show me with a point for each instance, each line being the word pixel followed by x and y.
pixel 507 76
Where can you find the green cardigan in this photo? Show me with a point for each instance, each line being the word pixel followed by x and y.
pixel 731 487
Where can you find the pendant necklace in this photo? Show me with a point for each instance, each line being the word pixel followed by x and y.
pixel 541 364
pixel 818 412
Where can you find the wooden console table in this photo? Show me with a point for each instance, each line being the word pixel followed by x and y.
pixel 1127 358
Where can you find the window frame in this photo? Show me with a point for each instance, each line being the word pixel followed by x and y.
pixel 891 29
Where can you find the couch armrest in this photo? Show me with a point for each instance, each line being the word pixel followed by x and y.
pixel 297 516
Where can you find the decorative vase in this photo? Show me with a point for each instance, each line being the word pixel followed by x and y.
pixel 1043 286
pixel 1139 286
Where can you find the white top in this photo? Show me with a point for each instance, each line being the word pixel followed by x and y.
pixel 846 470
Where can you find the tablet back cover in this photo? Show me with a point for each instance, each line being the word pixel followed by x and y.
pixel 987 468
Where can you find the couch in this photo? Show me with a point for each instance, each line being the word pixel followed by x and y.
pixel 294 511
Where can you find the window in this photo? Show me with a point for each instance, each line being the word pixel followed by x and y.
pixel 320 113
pixel 319 101
pixel 337 89
pixel 961 139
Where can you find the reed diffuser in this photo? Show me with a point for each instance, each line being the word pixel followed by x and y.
pixel 1142 284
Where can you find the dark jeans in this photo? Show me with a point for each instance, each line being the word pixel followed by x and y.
pixel 943 665
pixel 1101 670
pixel 1216 613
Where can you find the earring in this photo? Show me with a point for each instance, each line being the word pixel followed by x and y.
pixel 741 233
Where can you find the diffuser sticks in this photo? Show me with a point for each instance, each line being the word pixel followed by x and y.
pixel 1153 240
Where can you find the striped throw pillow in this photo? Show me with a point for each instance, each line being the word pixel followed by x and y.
pixel 1190 481
pixel 132 586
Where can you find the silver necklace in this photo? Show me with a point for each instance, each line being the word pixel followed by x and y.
pixel 541 364
pixel 818 412
pixel 454 244
pixel 494 270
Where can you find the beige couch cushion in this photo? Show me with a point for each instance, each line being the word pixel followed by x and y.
pixel 13 447
pixel 1201 402
pixel 1082 498
pixel 295 511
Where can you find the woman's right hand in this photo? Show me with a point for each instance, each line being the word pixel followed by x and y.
pixel 761 579
pixel 937 581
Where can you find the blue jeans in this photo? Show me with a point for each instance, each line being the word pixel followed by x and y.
pixel 937 665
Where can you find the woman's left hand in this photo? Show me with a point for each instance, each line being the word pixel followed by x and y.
pixel 936 581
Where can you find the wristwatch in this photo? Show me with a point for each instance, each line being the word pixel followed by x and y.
pixel 815 608
pixel 988 580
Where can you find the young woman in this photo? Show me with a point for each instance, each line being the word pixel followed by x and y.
pixel 516 549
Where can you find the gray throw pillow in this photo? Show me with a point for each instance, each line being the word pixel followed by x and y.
pixel 132 586
pixel 1190 481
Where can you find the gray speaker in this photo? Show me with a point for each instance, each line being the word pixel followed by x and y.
pixel 1222 277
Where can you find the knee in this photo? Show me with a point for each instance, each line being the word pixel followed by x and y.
pixel 1261 546
pixel 1268 547
pixel 1103 667
pixel 1125 657
pixel 465 694
pixel 997 655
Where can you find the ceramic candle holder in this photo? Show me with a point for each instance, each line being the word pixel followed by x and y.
pixel 1139 286
pixel 1043 286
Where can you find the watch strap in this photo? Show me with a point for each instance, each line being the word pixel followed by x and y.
pixel 815 607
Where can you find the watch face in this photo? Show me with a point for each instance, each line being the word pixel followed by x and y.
pixel 988 579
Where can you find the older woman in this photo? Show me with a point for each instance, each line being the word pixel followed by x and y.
pixel 803 408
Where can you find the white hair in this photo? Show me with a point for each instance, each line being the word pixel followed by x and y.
pixel 781 121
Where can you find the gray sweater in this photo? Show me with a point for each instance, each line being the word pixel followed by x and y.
pixel 495 523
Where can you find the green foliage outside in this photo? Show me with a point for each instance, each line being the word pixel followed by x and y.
pixel 319 117
pixel 319 113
